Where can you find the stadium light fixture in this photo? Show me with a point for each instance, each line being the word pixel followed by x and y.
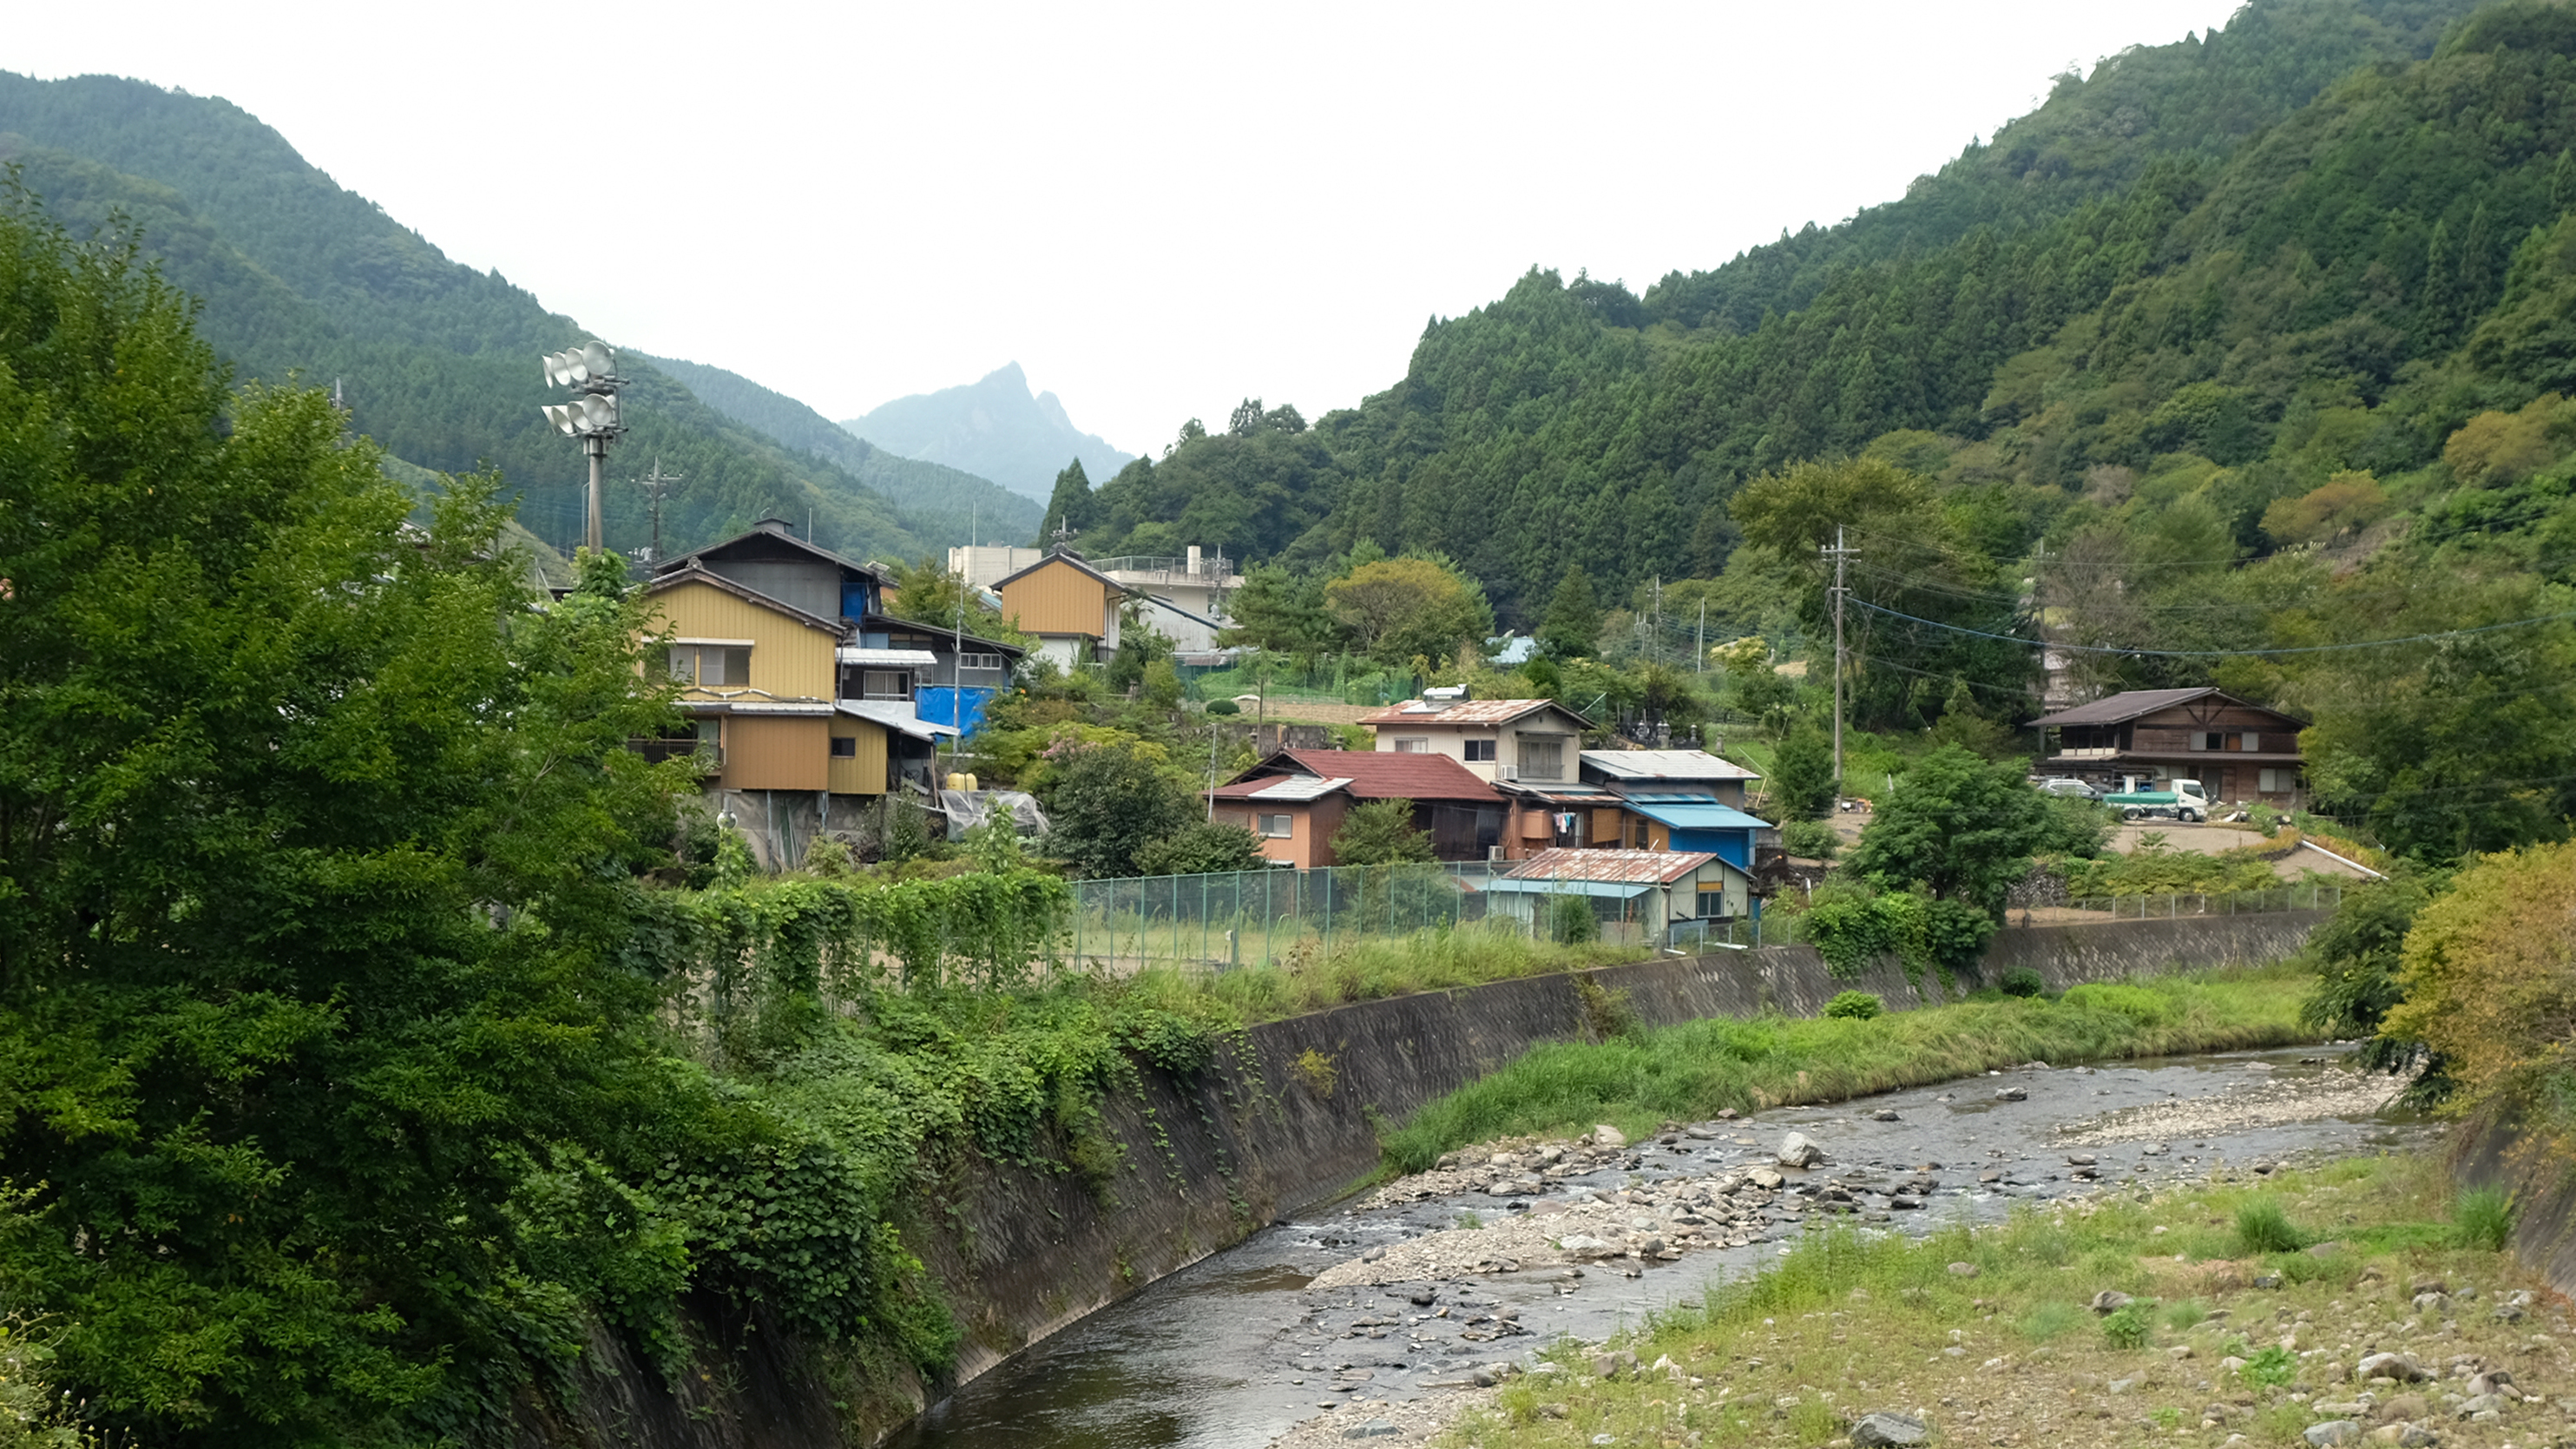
pixel 591 416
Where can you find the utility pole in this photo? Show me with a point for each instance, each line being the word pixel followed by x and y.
pixel 1838 553
pixel 1699 640
pixel 591 416
pixel 657 486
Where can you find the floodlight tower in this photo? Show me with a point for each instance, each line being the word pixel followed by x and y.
pixel 591 417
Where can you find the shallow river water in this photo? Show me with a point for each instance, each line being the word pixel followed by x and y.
pixel 1233 1351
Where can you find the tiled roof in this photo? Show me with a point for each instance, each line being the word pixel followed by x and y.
pixel 1649 867
pixel 1665 765
pixel 1464 712
pixel 2130 704
pixel 1371 775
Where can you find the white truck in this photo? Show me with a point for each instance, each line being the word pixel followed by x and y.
pixel 2183 801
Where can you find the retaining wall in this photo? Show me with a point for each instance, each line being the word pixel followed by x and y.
pixel 1289 1122
pixel 2493 1150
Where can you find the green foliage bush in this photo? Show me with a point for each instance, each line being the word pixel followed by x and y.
pixel 2022 981
pixel 1223 707
pixel 1572 921
pixel 2131 1326
pixel 1202 847
pixel 1810 839
pixel 1381 832
pixel 2483 1218
pixel 1854 1006
pixel 2262 1227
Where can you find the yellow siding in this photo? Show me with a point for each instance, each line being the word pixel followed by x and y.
pixel 865 772
pixel 774 752
pixel 789 660
pixel 1057 598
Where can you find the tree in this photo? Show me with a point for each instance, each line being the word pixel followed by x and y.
pixel 1107 803
pixel 1380 832
pixel 1202 847
pixel 1399 609
pixel 1573 623
pixel 1277 609
pixel 927 593
pixel 1801 786
pixel 1958 827
pixel 319 843
pixel 1071 506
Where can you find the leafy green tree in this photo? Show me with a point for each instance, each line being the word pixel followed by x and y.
pixel 319 837
pixel 1202 847
pixel 1162 685
pixel 927 593
pixel 1400 609
pixel 2358 952
pixel 1573 623
pixel 1801 786
pixel 1380 832
pixel 1959 827
pixel 1282 611
pixel 1107 803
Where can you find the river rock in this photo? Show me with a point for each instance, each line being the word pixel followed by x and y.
pixel 2332 1432
pixel 2403 1407
pixel 1797 1151
pixel 1609 1136
pixel 2012 1094
pixel 1582 1244
pixel 2482 1404
pixel 1726 1114
pixel 2396 1366
pixel 1883 1115
pixel 1764 1178
pixel 1874 1430
pixel 2110 1300
pixel 1373 1429
pixel 2494 1381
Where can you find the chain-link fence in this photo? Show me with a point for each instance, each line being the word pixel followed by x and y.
pixel 1265 917
pixel 1269 917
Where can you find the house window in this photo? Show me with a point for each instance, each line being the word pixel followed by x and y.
pixel 1543 759
pixel 1277 827
pixel 1413 747
pixel 711 666
pixel 1712 901
pixel 2275 782
pixel 2249 742
pixel 2207 740
pixel 979 661
pixel 1480 751
pixel 845 747
pixel 885 684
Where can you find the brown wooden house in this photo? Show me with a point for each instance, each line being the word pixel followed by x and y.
pixel 2145 737
pixel 1295 800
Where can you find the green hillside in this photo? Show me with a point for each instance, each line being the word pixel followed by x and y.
pixel 437 361
pixel 937 499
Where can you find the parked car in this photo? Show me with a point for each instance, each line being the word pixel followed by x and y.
pixel 2068 785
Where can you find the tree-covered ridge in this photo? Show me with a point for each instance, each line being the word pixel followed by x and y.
pixel 302 277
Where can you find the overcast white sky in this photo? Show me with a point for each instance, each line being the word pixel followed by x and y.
pixel 1156 210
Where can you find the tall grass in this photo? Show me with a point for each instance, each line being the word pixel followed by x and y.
pixel 1366 970
pixel 2483 1218
pixel 1690 1071
pixel 2262 1227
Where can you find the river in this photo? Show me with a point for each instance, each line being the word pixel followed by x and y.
pixel 1234 1350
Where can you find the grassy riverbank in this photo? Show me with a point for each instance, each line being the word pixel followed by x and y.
pixel 2010 1352
pixel 1640 1079
pixel 1374 968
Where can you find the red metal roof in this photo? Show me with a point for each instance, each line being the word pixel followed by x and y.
pixel 1373 775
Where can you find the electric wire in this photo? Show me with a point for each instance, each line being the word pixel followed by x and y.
pixel 2217 653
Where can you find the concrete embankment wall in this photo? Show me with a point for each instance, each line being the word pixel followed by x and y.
pixel 1290 1121
pixel 2493 1150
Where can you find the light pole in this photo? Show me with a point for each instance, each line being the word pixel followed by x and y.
pixel 592 416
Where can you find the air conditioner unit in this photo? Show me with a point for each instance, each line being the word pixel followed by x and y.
pixel 1493 855
pixel 1511 772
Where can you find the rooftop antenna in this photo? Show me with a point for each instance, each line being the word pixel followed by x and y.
pixel 657 486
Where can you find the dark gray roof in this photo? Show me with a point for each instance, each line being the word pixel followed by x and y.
pixel 2130 704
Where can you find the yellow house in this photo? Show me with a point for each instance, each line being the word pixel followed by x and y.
pixel 1066 603
pixel 759 680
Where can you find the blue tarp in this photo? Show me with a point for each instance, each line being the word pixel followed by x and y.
pixel 938 703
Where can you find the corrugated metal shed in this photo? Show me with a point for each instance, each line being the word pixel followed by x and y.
pixel 1698 817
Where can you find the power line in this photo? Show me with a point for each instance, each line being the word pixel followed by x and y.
pixel 2217 653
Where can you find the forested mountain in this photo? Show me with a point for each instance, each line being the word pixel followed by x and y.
pixel 2101 286
pixel 436 360
pixel 935 498
pixel 992 428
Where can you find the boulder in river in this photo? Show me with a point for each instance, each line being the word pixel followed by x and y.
pixel 1609 1136
pixel 1797 1151
pixel 2012 1094
pixel 1875 1430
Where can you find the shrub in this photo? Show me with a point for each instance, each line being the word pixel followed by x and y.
pixel 2483 1218
pixel 2271 1367
pixel 2131 1326
pixel 2022 981
pixel 1223 706
pixel 1572 920
pixel 1810 839
pixel 1854 1006
pixel 1202 847
pixel 2261 1227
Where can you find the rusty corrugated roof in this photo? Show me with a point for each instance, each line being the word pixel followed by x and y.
pixel 1647 867
pixel 1464 712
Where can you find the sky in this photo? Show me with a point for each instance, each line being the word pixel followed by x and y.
pixel 1157 210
